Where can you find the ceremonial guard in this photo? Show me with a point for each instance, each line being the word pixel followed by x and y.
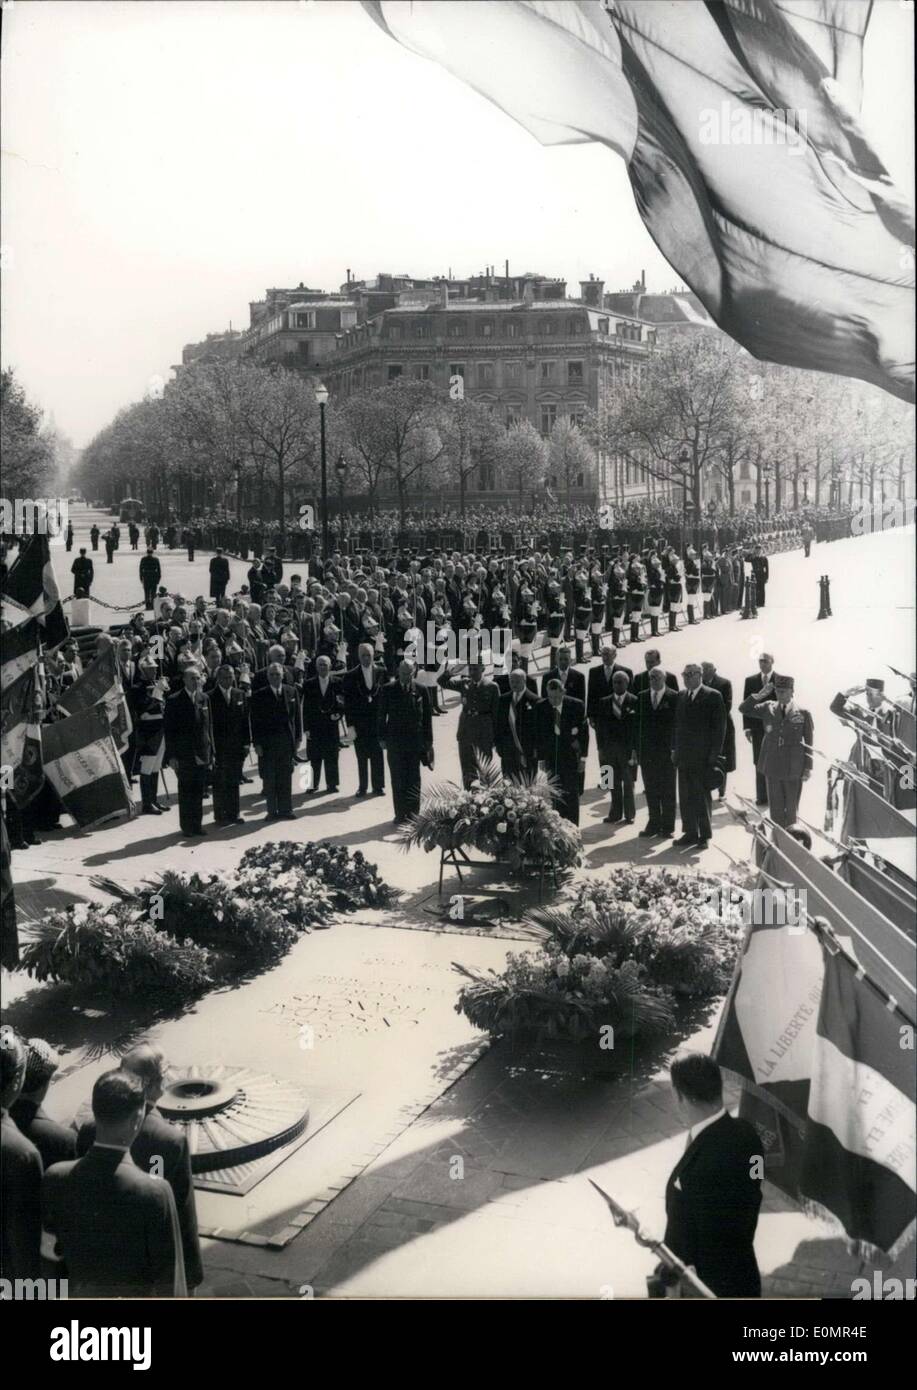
pixel 692 584
pixel 83 573
pixel 94 534
pixel 150 576
pixel 655 594
pixel 563 745
pixel 219 575
pixel 599 595
pixel 707 582
pixel 786 752
pixel 582 616
pixel 636 593
pixel 761 570
pixel 674 586
pixel 526 624
pixel 478 719
pixel 616 603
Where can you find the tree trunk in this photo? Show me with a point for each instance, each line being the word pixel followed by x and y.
pixel 731 491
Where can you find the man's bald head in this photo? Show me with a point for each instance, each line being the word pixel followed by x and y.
pixel 148 1065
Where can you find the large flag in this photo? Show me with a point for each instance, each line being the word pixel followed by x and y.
pixel 17 710
pixel 739 125
pixel 868 816
pixel 82 764
pixel 101 683
pixel 860 1150
pixel 18 651
pixel 31 582
pixel 9 936
pixel 890 893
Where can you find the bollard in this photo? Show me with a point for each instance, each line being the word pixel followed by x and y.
pixel 824 603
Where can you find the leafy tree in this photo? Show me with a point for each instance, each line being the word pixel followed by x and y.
pixel 28 454
pixel 522 458
pixel 471 436
pixel 569 454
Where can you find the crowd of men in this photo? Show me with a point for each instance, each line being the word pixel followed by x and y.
pixel 106 1202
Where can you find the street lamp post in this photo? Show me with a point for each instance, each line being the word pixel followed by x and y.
pixel 340 469
pixel 321 395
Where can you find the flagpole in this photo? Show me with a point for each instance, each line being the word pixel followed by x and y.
pixel 658 1247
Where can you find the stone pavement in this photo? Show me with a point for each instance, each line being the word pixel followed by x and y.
pixel 390 1209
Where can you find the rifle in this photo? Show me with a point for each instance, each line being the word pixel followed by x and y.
pixel 662 1252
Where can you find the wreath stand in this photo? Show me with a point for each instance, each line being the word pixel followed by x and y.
pixel 455 857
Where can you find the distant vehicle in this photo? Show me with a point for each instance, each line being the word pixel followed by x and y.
pixel 131 509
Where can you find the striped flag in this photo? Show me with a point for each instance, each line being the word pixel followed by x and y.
pixel 860 1142
pixel 18 651
pixel 17 710
pixel 100 683
pixel 31 582
pixel 739 123
pixel 9 935
pixel 82 764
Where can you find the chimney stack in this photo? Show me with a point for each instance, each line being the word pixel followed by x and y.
pixel 444 293
pixel 592 292
pixel 507 269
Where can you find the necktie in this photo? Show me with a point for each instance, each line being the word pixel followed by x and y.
pixel 655 700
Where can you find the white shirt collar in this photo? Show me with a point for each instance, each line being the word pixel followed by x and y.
pixel 697 1129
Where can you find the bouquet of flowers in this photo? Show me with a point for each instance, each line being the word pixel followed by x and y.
pixel 351 880
pixel 617 950
pixel 499 816
pixel 303 900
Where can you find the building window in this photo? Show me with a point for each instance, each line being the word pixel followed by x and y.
pixel 304 319
pixel 576 418
pixel 486 328
pixel 457 369
pixel 394 372
pixel 547 327
pixel 304 350
pixel 456 330
pixel 485 373
pixel 548 371
pixel 574 373
pixel 420 330
pixel 548 418
pixel 512 373
pixel 574 327
pixel 395 332
pixel 511 329
pixel 603 325
pixel 422 371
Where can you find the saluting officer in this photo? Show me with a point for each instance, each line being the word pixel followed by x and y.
pixel 478 720
pixel 786 753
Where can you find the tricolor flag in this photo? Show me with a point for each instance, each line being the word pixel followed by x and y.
pixel 31 583
pixel 17 710
pixel 82 764
pixel 868 816
pixel 18 651
pixel 739 124
pixel 859 1161
pixel 101 683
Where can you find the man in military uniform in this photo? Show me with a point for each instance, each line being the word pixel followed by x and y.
pixel 83 572
pixel 406 734
pixel 150 576
pixel 786 753
pixel 478 720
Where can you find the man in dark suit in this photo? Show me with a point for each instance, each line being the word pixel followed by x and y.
pixel 231 739
pixel 161 1149
pixel 322 711
pixel 150 576
pixel 516 735
pixel 362 691
pixel 502 682
pixel 573 682
pixel 700 728
pixel 713 1194
pixel 563 745
pixel 477 724
pixel 55 1142
pixel 219 575
pixel 761 570
pixel 641 681
pixel 20 1172
pixel 599 685
pixel 655 735
pixel 116 1227
pixel 276 723
pixel 83 572
pixel 615 722
pixel 724 687
pixel 189 748
pixel 406 735
pixel 754 729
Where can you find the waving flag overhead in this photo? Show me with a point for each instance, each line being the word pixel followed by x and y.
pixel 101 683
pixel 31 582
pixel 738 120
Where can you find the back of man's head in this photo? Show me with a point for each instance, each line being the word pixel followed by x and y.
pixel 117 1107
pixel 696 1079
pixel 147 1064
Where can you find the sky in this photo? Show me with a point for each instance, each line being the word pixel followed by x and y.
pixel 164 163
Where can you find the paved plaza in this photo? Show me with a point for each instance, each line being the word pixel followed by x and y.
pixel 444 1167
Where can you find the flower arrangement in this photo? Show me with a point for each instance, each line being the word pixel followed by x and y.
pixel 350 879
pixel 213 912
pixel 618 950
pixel 509 819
